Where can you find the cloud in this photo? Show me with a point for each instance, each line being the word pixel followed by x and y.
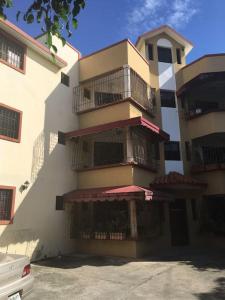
pixel 148 14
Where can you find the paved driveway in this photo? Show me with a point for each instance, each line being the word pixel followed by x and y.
pixel 189 276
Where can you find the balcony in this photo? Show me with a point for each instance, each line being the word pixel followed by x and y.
pixel 205 94
pixel 118 146
pixel 113 88
pixel 208 64
pixel 208 153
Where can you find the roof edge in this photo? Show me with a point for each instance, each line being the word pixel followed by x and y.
pixel 113 45
pixel 37 46
pixel 67 43
pixel 165 26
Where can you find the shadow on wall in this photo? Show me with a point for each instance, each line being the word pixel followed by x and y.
pixel 38 229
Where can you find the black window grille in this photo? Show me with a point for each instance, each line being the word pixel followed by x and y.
pixel 5 204
pixel 11 52
pixel 9 122
pixel 61 138
pixel 59 205
pixel 65 79
pixel 164 55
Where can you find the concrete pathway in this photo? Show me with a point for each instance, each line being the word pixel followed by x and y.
pixel 187 277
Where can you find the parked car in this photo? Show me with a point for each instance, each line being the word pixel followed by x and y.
pixel 16 281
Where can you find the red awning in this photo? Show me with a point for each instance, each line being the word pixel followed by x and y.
pixel 138 121
pixel 131 192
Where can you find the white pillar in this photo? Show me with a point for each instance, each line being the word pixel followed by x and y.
pixel 129 145
pixel 127 81
pixel 133 220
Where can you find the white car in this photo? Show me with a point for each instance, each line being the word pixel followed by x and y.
pixel 16 281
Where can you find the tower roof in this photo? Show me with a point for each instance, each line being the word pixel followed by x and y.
pixel 169 31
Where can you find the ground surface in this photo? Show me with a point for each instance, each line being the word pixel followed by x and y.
pixel 178 276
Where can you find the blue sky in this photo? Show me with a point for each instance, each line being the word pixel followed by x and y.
pixel 104 22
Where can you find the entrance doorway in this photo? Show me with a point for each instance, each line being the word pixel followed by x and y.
pixel 178 223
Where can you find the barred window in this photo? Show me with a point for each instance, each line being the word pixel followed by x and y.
pixel 6 197
pixel 9 123
pixel 65 79
pixel 11 52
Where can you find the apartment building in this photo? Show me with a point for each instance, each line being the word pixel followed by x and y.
pixel 120 152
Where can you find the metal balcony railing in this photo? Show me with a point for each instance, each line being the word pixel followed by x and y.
pixel 111 88
pixel 209 155
pixel 202 107
pixel 113 147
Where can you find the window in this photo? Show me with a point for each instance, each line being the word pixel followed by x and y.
pixel 108 153
pixel 61 138
pixel 172 151
pixel 65 79
pixel 7 195
pixel 167 98
pixel 164 55
pixel 178 56
pixel 10 123
pixel 59 205
pixel 150 51
pixel 11 52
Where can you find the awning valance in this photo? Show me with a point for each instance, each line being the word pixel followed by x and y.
pixel 138 121
pixel 131 192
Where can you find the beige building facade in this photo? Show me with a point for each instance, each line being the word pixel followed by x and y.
pixel 120 152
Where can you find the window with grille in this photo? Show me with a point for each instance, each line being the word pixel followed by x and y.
pixel 65 79
pixel 6 198
pixel 11 52
pixel 9 123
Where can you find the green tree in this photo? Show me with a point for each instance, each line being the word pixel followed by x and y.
pixel 54 16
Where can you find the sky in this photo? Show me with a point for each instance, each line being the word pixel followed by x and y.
pixel 104 22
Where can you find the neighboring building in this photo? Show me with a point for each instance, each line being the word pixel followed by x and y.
pixel 34 105
pixel 120 152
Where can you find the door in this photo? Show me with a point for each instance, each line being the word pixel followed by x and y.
pixel 178 223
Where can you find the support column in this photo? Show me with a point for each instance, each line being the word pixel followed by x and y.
pixel 129 146
pixel 133 219
pixel 127 81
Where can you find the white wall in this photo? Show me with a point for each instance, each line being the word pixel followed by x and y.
pixel 38 229
pixel 170 117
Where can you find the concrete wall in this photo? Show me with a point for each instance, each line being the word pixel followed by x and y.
pixel 116 112
pixel 38 229
pixel 115 176
pixel 113 58
pixel 206 64
pixel 206 124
